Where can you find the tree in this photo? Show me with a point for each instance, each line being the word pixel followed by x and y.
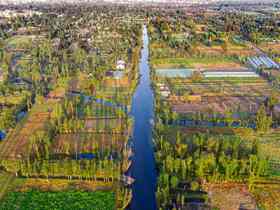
pixel 271 102
pixel 224 46
pixel 263 122
pixel 174 182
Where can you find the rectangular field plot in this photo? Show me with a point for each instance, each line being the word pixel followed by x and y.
pixel 230 74
pixel 173 72
pixel 33 200
pixel 88 143
pixel 216 91
pixel 196 63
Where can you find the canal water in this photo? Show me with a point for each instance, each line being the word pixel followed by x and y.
pixel 143 163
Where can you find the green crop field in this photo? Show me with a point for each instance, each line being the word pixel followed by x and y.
pixel 191 61
pixel 35 200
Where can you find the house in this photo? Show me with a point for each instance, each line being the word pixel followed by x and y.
pixel 164 90
pixel 165 93
pixel 120 65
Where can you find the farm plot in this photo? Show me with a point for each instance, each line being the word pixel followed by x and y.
pixel 223 89
pixel 196 62
pixel 270 47
pixel 32 200
pixel 231 50
pixel 267 194
pixel 16 142
pixel 230 196
pixel 270 144
pixel 17 98
pixel 95 125
pixel 171 73
pixel 219 105
pixel 221 93
pixel 263 62
pixel 88 143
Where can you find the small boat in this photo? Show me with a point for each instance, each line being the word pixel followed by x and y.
pixel 127 180
pixel 152 122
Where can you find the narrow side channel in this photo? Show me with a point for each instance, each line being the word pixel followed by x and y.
pixel 143 165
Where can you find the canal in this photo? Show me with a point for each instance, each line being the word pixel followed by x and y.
pixel 142 110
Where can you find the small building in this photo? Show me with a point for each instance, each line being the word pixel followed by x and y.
pixel 165 93
pixel 164 90
pixel 120 65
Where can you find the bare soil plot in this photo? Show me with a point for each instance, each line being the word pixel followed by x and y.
pixel 123 82
pixel 219 95
pixel 219 105
pixel 229 196
pixel 232 49
pixel 221 88
pixel 267 195
pixel 270 47
pixel 217 50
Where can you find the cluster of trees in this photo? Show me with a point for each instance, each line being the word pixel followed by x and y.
pixel 182 35
pixel 188 161
pixel 252 27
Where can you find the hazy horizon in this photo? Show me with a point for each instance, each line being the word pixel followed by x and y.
pixel 135 1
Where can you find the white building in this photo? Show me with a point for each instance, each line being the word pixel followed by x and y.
pixel 120 65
